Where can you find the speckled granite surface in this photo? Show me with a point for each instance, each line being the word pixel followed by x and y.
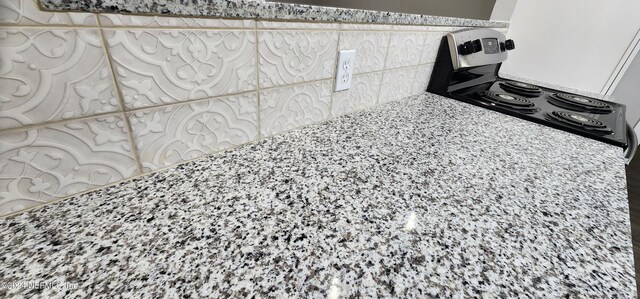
pixel 421 197
pixel 260 10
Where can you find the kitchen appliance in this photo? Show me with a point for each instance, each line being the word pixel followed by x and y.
pixel 466 69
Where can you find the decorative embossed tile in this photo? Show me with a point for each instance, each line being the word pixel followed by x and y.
pixel 405 49
pixel 411 27
pixel 166 66
pixel 368 27
pixel 290 107
pixel 288 57
pixel 423 75
pixel 118 20
pixel 363 94
pixel 27 12
pixel 48 75
pixel 446 29
pixel 296 25
pixel 503 30
pixel 371 49
pixel 168 135
pixel 397 84
pixel 46 163
pixel 431 46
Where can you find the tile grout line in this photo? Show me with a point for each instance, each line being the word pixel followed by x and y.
pixel 330 78
pixel 142 174
pixel 415 79
pixel 161 169
pixel 218 97
pixel 259 112
pixel 384 69
pixel 424 47
pixel 125 110
pixel 119 94
pixel 335 74
pixel 59 122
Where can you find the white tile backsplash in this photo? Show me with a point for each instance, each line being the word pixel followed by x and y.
pixel 371 49
pixel 397 84
pixel 290 107
pixel 445 29
pixel 41 164
pixel 410 28
pixel 168 135
pixel 175 88
pixel 165 66
pixel 405 49
pixel 50 75
pixel 366 27
pixel 363 94
pixel 431 46
pixel 297 25
pixel 288 57
pixel 423 74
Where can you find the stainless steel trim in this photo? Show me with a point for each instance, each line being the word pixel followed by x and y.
pixel 476 59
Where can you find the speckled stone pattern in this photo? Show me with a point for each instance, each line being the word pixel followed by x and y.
pixel 422 197
pixel 260 10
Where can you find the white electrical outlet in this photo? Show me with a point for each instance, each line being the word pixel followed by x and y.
pixel 346 63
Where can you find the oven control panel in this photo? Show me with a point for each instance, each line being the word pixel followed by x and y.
pixel 475 47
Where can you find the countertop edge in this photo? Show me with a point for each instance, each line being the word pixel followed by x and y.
pixel 261 11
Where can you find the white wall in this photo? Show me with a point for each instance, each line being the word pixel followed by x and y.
pixel 575 43
pixel 628 91
pixel 503 10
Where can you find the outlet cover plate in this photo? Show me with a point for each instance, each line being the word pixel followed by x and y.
pixel 346 64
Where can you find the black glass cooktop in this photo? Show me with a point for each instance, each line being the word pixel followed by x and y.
pixel 467 73
pixel 589 117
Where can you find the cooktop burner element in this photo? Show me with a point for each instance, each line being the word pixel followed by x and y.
pixel 471 74
pixel 520 88
pixel 509 101
pixel 578 103
pixel 583 121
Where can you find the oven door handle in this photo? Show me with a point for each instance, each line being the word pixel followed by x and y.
pixel 632 141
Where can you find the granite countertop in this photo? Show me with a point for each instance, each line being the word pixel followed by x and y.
pixel 260 10
pixel 421 197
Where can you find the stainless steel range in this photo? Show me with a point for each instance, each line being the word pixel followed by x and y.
pixel 466 69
